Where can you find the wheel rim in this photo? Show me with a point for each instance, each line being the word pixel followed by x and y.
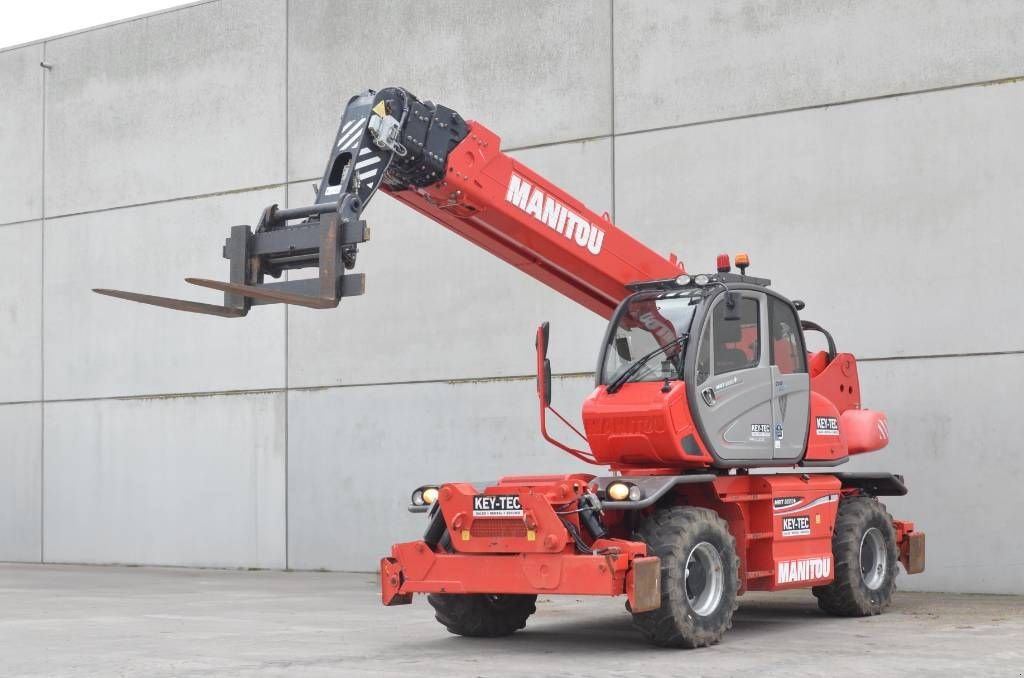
pixel 704 579
pixel 874 561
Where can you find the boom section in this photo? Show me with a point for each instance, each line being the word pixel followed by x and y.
pixel 501 205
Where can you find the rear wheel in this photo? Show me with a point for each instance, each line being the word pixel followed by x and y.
pixel 482 615
pixel 699 577
pixel 864 548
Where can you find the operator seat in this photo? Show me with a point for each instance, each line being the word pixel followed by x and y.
pixel 729 358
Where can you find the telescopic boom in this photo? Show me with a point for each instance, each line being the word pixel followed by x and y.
pixel 450 170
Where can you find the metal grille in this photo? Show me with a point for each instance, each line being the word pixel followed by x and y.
pixel 498 527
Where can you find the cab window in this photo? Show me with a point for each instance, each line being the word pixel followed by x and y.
pixel 737 341
pixel 651 329
pixel 786 350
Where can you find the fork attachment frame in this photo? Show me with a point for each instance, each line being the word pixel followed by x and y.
pixel 384 137
pixel 326 238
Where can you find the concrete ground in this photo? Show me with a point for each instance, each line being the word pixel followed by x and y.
pixel 114 621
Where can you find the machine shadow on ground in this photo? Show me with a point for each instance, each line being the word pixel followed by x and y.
pixel 610 631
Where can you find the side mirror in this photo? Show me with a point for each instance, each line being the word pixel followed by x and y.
pixel 547 381
pixel 543 334
pixel 544 397
pixel 543 364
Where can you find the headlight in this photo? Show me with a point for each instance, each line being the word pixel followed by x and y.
pixel 701 280
pixel 424 495
pixel 620 491
pixel 683 280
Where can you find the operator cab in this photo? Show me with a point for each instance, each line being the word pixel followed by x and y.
pixel 726 355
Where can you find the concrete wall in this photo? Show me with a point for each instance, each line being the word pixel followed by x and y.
pixel 865 154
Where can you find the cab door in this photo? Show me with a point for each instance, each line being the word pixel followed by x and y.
pixel 791 398
pixel 733 377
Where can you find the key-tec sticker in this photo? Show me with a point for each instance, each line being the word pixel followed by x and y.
pixel 796 526
pixel 827 426
pixel 497 506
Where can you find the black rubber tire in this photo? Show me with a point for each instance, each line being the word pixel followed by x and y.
pixel 671 534
pixel 849 595
pixel 480 615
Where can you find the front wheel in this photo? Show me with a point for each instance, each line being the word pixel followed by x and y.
pixel 864 548
pixel 699 577
pixel 482 615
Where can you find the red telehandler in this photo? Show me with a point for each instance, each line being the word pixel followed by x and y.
pixel 700 379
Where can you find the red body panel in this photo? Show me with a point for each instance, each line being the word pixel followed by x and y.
pixel 421 570
pixel 838 381
pixel 639 427
pixel 866 430
pixel 785 545
pixel 823 443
